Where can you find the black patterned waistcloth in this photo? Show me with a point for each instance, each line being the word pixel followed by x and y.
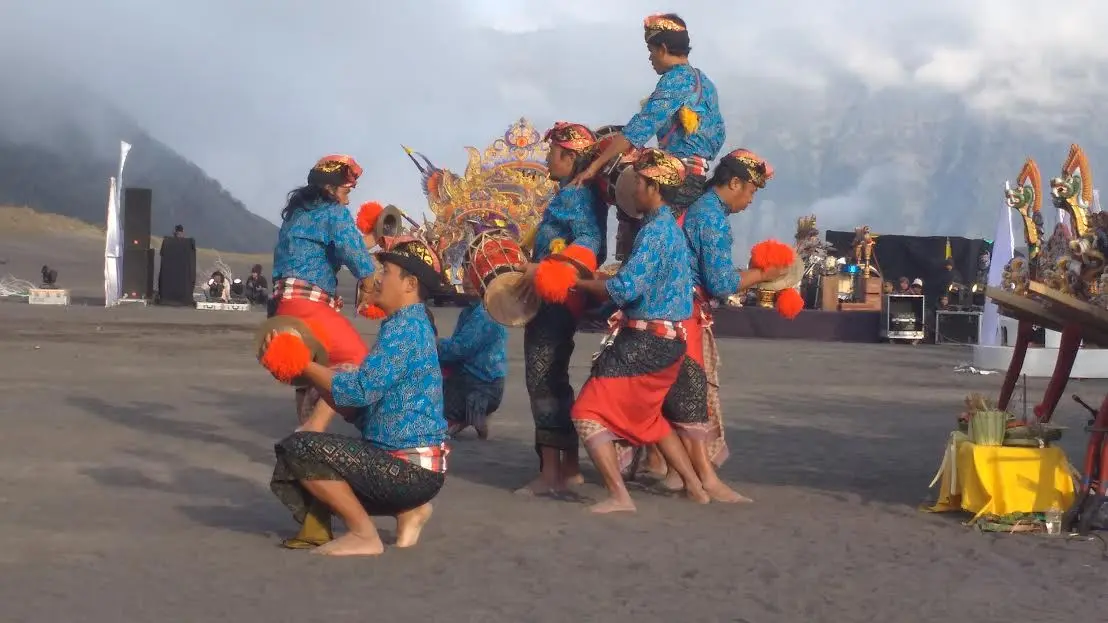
pixel 686 404
pixel 386 483
pixel 469 400
pixel 547 349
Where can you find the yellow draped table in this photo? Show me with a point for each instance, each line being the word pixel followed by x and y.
pixel 999 480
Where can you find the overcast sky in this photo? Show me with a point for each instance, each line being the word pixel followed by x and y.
pixel 255 91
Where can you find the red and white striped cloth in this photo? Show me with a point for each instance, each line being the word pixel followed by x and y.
pixel 427 457
pixel 293 288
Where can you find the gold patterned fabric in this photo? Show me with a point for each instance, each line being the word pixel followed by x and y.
pixel 657 165
pixel 758 170
pixel 571 136
pixel 415 256
pixel 335 170
pixel 659 23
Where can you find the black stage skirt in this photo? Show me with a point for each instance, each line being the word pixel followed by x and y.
pixel 385 484
pixel 547 349
pixel 470 401
pixel 686 404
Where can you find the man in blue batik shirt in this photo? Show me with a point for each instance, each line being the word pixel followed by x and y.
pixel 398 463
pixel 475 364
pixel 682 114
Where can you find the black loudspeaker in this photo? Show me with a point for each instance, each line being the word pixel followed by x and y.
pixel 138 273
pixel 177 275
pixel 136 217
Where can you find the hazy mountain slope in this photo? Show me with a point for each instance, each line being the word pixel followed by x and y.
pixel 59 144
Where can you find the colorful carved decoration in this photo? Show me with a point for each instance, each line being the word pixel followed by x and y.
pixel 506 186
pixel 1026 199
pixel 1073 190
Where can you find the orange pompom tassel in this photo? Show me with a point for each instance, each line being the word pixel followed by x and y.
pixel 771 254
pixel 789 303
pixel 582 254
pixel 368 215
pixel 553 280
pixel 286 357
pixel 372 312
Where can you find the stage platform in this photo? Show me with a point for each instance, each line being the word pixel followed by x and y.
pixel 758 322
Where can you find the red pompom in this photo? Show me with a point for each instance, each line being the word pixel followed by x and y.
pixel 771 254
pixel 372 312
pixel 789 303
pixel 554 279
pixel 581 254
pixel 286 357
pixel 368 215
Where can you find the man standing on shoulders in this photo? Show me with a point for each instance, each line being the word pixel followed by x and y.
pixel 682 114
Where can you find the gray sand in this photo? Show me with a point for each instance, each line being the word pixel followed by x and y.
pixel 137 448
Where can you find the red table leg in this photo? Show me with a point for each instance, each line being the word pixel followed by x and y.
pixel 1067 354
pixel 1015 366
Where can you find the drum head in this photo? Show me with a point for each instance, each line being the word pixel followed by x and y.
pixel 511 300
pixel 790 279
pixel 625 193
pixel 290 324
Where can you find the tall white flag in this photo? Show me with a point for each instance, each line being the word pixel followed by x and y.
pixel 1004 247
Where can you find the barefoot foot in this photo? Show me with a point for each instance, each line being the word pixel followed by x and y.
pixel 613 505
pixel 538 486
pixel 410 524
pixel 720 492
pixel 352 544
pixel 672 482
pixel 698 495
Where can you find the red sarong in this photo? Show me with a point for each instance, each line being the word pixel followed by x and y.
pixel 627 408
pixel 344 344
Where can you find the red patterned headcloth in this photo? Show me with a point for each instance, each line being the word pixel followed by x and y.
pixel 571 136
pixel 657 165
pixel 335 170
pixel 756 169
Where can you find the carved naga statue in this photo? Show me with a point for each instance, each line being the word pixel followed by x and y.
pixel 1026 200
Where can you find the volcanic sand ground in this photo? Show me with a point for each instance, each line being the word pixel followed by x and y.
pixel 137 449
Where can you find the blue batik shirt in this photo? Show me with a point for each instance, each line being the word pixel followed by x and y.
pixel 398 388
pixel 573 216
pixel 681 85
pixel 709 234
pixel 655 281
pixel 315 243
pixel 479 344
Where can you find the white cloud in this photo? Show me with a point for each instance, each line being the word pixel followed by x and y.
pixel 275 89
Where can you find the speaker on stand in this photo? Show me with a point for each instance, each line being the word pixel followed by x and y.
pixel 138 257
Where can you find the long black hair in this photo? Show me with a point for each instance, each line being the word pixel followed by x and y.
pixel 305 198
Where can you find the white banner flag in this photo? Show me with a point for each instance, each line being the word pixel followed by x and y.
pixel 113 248
pixel 1004 247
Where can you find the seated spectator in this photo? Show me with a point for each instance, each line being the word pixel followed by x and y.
pixel 257 288
pixel 217 287
pixel 902 286
pixel 917 286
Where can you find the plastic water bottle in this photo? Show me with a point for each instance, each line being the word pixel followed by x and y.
pixel 1054 520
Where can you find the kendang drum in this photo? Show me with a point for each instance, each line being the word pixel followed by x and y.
pixel 616 181
pixel 495 266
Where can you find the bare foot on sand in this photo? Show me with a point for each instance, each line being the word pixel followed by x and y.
pixel 698 495
pixel 574 479
pixel 672 482
pixel 720 492
pixel 352 544
pixel 538 486
pixel 409 524
pixel 613 505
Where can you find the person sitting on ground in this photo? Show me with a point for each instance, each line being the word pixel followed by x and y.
pixel 217 287
pixel 476 356
pixel 394 398
pixel 257 288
